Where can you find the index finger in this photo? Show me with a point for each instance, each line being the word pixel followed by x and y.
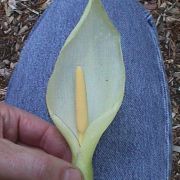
pixel 17 125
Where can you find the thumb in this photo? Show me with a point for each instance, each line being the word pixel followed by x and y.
pixel 24 163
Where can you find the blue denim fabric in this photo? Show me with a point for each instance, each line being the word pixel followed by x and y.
pixel 137 145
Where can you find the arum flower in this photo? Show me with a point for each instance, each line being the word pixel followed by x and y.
pixel 86 88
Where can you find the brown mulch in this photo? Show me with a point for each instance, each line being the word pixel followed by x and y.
pixel 16 21
pixel 18 17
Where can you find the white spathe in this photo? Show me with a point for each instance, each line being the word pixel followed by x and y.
pixel 94 44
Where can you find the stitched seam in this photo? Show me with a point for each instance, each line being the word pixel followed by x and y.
pixel 164 88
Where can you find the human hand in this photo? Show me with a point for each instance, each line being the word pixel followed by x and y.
pixel 32 149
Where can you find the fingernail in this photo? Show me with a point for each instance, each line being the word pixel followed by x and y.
pixel 72 174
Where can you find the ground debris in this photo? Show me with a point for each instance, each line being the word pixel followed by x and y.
pixel 17 18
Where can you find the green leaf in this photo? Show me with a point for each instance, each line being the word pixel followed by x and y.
pixel 94 44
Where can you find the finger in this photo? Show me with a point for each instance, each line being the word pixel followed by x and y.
pixel 21 163
pixel 18 125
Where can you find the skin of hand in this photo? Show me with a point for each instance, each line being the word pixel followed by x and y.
pixel 32 149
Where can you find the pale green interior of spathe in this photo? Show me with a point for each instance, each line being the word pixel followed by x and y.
pixel 94 45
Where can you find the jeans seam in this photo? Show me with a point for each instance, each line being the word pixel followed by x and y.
pixel 164 87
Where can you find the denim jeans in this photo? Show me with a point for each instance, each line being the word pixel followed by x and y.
pixel 137 145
